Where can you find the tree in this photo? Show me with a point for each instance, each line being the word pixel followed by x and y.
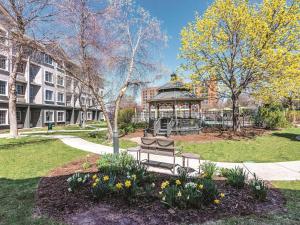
pixel 24 15
pixel 120 41
pixel 82 43
pixel 242 45
pixel 139 37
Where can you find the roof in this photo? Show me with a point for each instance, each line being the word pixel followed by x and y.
pixel 174 91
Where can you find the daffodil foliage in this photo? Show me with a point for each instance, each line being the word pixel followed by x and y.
pixel 245 46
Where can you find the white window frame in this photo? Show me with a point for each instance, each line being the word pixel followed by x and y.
pixel 47 55
pixel 6 117
pixel 47 100
pixel 19 112
pixel 63 83
pixel 22 85
pixel 45 116
pixel 6 62
pixel 50 82
pixel 4 36
pixel 89 115
pixel 57 100
pixel 64 116
pixel 6 88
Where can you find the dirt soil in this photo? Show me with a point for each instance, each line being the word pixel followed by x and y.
pixel 209 135
pixel 54 200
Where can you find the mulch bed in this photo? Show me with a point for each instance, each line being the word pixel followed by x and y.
pixel 54 200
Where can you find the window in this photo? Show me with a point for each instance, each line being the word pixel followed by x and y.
pixel 60 97
pixel 2 87
pixel 60 80
pixel 49 116
pixel 2 37
pixel 21 67
pixel 19 116
pixel 60 116
pixel 49 95
pixel 20 89
pixel 48 77
pixel 48 59
pixel 3 117
pixel 82 100
pixel 3 62
pixel 89 115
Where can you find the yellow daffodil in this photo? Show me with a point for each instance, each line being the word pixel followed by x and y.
pixel 94 177
pixel 97 180
pixel 179 194
pixel 127 183
pixel 178 182
pixel 94 184
pixel 133 177
pixel 217 201
pixel 200 186
pixel 105 178
pixel 119 185
pixel 164 184
pixel 222 195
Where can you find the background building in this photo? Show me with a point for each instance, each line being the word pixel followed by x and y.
pixel 46 93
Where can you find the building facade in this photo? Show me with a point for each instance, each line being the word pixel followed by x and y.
pixel 46 93
pixel 146 95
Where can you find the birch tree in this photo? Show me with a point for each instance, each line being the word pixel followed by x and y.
pixel 25 17
pixel 242 45
pixel 139 39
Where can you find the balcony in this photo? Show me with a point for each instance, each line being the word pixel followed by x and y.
pixel 21 99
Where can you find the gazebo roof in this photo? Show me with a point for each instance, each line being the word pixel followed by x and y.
pixel 174 91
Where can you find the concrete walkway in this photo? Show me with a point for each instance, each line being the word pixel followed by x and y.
pixel 267 171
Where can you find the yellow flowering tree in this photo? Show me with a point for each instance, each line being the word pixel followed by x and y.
pixel 242 45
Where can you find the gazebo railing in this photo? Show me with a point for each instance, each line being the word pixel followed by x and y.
pixel 156 127
pixel 170 127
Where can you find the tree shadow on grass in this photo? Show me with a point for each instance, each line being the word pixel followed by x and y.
pixel 290 136
pixel 17 202
pixel 13 145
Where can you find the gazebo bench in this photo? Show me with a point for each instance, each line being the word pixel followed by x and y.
pixel 158 146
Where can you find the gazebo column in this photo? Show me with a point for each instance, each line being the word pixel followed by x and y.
pixel 190 110
pixel 174 115
pixel 157 111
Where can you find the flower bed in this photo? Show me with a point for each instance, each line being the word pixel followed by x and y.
pixel 134 196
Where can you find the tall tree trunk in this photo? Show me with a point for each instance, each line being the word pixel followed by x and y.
pixel 235 113
pixel 12 96
pixel 84 116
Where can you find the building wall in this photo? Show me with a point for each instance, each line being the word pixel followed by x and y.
pixel 147 94
pixel 32 87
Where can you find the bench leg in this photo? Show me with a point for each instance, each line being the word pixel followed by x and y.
pixel 148 157
pixel 174 161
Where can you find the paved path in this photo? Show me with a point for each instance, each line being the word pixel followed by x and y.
pixel 267 171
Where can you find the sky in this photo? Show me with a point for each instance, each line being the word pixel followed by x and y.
pixel 174 15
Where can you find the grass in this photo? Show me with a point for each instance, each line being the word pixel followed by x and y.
pixel 100 139
pixel 22 162
pixel 274 147
pixel 291 191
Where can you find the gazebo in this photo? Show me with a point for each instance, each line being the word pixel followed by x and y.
pixel 177 110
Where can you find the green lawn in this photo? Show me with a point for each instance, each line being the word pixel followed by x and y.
pixel 274 147
pixel 22 162
pixel 101 139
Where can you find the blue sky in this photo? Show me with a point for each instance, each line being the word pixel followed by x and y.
pixel 174 15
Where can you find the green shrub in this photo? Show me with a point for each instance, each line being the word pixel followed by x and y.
pixel 224 172
pixel 259 188
pixel 208 169
pixel 271 116
pixel 125 116
pixel 116 164
pixel 76 181
pixel 193 194
pixel 102 186
pixel 237 177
